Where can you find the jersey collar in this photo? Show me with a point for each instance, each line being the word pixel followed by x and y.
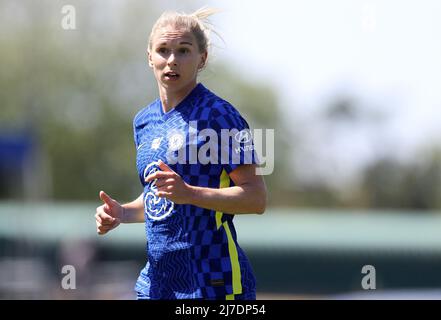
pixel 184 103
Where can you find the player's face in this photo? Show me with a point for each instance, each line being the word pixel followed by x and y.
pixel 175 58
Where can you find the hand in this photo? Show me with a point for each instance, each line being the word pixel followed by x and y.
pixel 170 185
pixel 109 215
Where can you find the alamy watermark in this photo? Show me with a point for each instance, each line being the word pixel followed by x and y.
pixel 69 281
pixel 225 146
pixel 68 21
pixel 369 281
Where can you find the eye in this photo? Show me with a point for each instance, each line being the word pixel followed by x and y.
pixel 162 50
pixel 184 50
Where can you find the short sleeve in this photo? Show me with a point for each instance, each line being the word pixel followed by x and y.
pixel 235 141
pixel 135 134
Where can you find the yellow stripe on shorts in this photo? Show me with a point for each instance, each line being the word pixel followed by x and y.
pixel 234 257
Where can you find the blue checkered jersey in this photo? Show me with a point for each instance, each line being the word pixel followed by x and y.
pixel 192 252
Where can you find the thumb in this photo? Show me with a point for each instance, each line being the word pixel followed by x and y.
pixel 164 167
pixel 106 198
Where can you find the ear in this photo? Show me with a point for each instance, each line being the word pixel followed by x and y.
pixel 149 58
pixel 203 60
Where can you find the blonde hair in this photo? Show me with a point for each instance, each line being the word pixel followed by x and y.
pixel 196 23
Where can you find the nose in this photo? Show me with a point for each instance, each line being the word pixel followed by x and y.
pixel 172 60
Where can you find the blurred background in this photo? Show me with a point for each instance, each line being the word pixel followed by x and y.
pixel 352 89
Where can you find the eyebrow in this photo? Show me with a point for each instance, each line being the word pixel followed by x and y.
pixel 183 42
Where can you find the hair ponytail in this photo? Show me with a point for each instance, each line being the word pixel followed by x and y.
pixel 197 23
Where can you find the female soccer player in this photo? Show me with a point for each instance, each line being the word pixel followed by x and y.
pixel 196 162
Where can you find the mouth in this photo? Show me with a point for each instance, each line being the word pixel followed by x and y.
pixel 171 75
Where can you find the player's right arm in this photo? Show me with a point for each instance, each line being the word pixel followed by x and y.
pixel 134 211
pixel 109 215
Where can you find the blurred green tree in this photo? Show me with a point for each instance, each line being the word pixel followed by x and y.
pixel 390 184
pixel 79 90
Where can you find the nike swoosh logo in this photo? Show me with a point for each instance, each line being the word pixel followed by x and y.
pixel 141 145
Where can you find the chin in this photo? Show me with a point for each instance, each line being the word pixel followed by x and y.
pixel 172 85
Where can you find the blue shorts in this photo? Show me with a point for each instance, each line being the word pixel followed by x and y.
pixel 243 296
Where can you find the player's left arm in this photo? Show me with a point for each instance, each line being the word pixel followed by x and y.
pixel 247 196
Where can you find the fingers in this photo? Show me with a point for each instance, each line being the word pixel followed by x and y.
pixel 159 175
pixel 165 172
pixel 103 218
pixel 163 194
pixel 106 198
pixel 103 229
pixel 100 229
pixel 103 226
pixel 162 182
pixel 104 221
pixel 164 167
pixel 166 188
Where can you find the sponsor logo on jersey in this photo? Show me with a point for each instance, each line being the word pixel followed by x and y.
pixel 156 208
pixel 243 136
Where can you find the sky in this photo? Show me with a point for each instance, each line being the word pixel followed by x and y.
pixel 385 53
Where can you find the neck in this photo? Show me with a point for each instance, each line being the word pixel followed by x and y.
pixel 171 99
